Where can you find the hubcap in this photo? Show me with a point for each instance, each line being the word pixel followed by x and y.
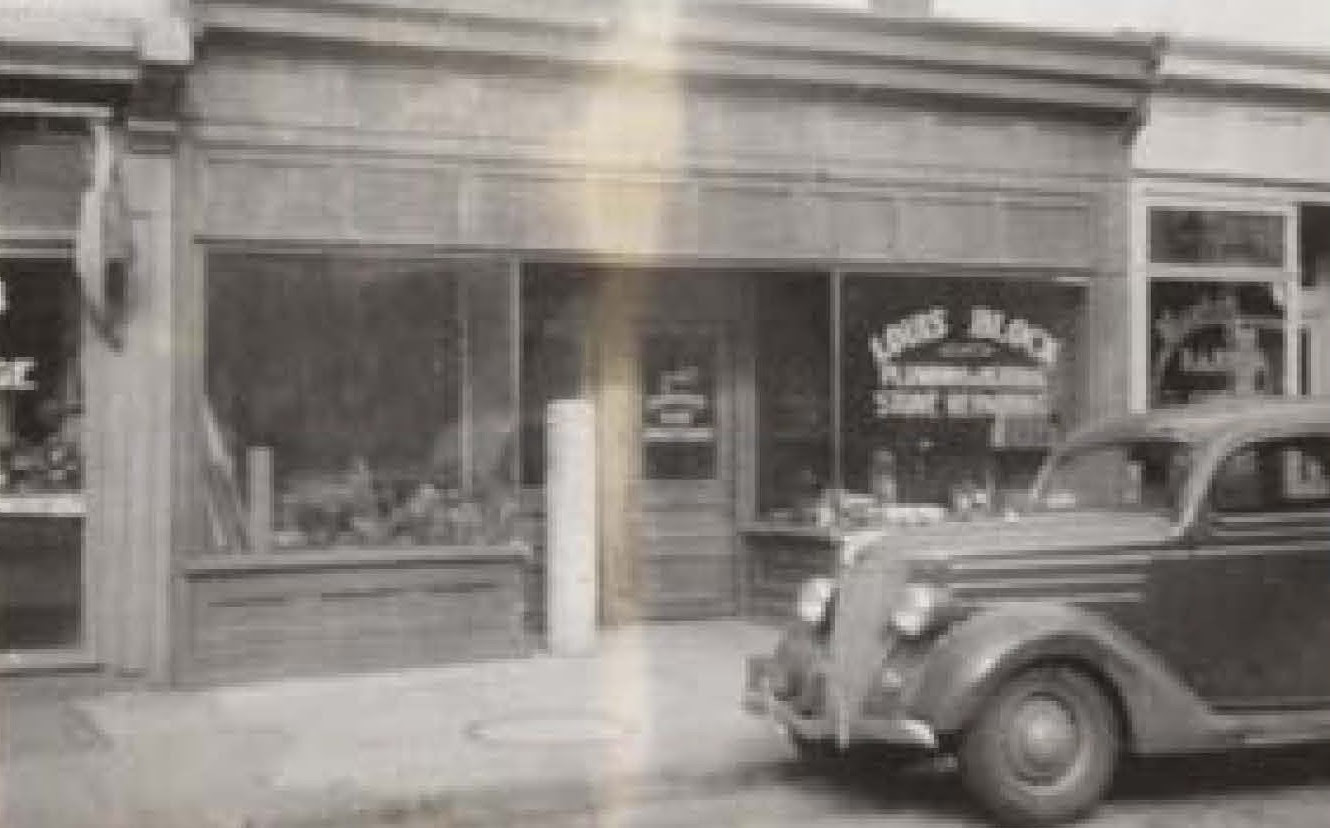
pixel 1043 741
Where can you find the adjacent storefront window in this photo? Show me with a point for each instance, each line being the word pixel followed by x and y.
pixel 1211 339
pixel 953 389
pixel 41 465
pixel 379 394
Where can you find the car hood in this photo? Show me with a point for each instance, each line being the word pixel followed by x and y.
pixel 1075 557
pixel 952 540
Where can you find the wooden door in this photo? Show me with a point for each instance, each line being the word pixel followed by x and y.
pixel 685 500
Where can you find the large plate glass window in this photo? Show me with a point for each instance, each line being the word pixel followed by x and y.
pixel 41 464
pixel 953 388
pixel 794 412
pixel 379 393
pixel 1215 338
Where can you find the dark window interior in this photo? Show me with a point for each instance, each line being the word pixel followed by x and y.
pixel 1216 237
pixel 1313 239
pixel 1275 475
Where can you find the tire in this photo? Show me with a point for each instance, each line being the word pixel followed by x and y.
pixel 1043 750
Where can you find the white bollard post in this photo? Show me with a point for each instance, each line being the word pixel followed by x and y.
pixel 570 527
pixel 259 463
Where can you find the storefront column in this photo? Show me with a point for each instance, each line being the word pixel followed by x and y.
pixel 1293 301
pixel 1138 301
pixel 570 492
pixel 129 408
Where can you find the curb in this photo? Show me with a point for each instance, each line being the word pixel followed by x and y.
pixel 503 806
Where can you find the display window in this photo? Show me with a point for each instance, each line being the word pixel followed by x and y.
pixel 794 411
pixel 375 396
pixel 1210 338
pixel 952 388
pixel 41 460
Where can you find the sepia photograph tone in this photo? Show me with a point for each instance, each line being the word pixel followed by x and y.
pixel 654 413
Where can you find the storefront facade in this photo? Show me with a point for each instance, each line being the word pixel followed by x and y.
pixel 1231 226
pixel 707 241
pixel 807 264
pixel 86 227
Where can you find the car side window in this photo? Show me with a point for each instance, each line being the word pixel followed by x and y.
pixel 1307 473
pixel 1236 487
pixel 1288 474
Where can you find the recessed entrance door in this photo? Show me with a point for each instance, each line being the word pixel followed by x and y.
pixel 686 491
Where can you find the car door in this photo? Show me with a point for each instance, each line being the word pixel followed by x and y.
pixel 1259 614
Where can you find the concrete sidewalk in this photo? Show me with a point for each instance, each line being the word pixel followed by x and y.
pixel 652 712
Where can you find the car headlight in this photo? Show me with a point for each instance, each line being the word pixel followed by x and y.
pixel 813 600
pixel 922 607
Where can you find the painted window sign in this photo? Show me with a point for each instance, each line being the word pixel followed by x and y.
pixel 986 363
pixel 1216 237
pixel 1211 339
pixel 679 405
pixel 679 400
pixel 943 371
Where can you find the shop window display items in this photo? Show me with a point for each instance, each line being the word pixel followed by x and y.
pixel 358 379
pixel 40 390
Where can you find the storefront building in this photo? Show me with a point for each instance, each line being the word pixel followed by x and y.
pixel 86 259
pixel 1231 226
pixel 810 266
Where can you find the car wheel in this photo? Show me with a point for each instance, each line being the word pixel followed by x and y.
pixel 1043 749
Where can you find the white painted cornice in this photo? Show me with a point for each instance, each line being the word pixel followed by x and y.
pixel 861 50
pixel 1195 64
pixel 59 58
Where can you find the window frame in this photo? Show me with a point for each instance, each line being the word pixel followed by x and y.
pixel 470 313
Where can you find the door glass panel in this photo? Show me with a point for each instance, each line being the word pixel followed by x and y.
pixel 679 422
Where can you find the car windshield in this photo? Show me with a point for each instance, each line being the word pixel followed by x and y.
pixel 1140 476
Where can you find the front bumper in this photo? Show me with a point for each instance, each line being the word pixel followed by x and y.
pixel 807 715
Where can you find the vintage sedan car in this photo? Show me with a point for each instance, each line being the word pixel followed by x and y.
pixel 1166 591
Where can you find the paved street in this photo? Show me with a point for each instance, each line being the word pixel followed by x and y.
pixel 1270 790
pixel 540 741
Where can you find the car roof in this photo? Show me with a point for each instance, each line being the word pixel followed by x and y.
pixel 1213 419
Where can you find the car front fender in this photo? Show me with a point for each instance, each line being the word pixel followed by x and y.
pixel 968 664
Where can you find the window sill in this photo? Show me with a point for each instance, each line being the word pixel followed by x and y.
pixel 43 504
pixel 351 558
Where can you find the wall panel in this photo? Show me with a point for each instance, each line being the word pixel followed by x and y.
pixel 1048 231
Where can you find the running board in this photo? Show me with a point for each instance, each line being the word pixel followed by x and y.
pixel 1271 729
